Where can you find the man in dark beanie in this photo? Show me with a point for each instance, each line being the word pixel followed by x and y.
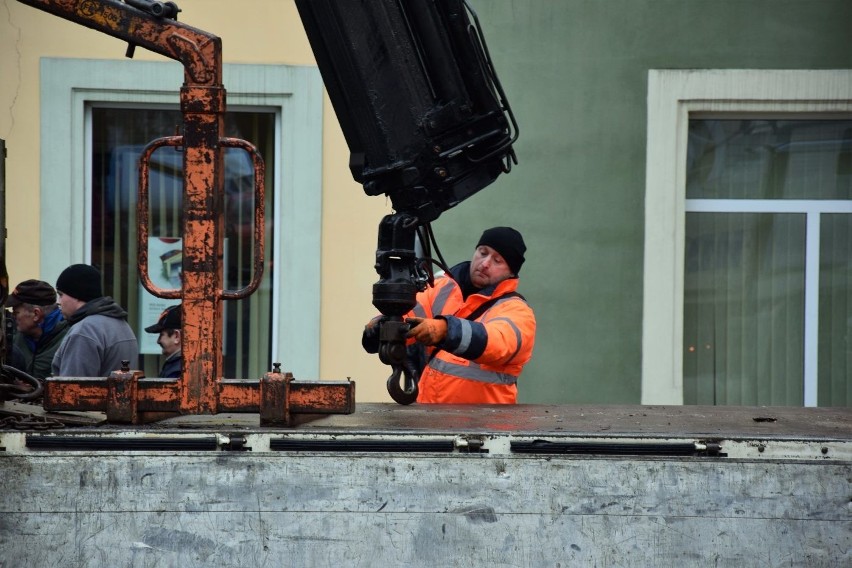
pixel 40 327
pixel 478 332
pixel 99 338
pixel 509 243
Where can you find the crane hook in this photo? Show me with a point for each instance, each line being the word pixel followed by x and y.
pixel 408 393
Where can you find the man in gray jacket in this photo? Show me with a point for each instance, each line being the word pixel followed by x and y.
pixel 99 338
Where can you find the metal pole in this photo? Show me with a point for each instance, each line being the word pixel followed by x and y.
pixel 2 199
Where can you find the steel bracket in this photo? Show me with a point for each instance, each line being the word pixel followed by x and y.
pixel 127 397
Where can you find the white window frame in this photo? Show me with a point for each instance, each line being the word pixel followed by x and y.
pixel 674 96
pixel 296 96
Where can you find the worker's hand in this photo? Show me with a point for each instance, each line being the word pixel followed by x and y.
pixel 370 336
pixel 427 331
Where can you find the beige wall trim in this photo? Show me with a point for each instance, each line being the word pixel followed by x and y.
pixel 672 96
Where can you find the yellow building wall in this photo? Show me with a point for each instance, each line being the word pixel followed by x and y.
pixel 252 31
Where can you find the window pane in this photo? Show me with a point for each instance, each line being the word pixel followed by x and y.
pixel 769 159
pixel 744 309
pixel 118 136
pixel 835 311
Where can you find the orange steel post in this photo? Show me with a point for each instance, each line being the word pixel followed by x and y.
pixel 201 326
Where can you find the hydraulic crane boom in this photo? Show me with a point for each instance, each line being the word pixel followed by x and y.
pixel 416 96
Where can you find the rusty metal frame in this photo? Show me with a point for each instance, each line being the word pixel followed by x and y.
pixel 126 396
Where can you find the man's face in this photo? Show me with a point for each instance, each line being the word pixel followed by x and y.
pixel 27 318
pixel 69 305
pixel 487 267
pixel 169 341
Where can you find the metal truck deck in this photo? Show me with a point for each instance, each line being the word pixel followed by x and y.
pixel 524 485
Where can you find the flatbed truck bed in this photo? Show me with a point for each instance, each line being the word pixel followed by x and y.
pixel 424 485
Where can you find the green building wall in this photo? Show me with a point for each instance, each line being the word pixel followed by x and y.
pixel 575 73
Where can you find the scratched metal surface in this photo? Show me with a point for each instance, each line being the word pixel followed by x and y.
pixel 583 420
pixel 271 508
pixel 300 509
pixel 728 422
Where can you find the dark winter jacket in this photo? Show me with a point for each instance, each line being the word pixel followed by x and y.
pixel 35 357
pixel 171 366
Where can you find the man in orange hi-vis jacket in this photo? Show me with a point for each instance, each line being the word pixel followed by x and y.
pixel 478 331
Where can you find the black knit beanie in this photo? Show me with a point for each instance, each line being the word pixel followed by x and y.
pixel 508 242
pixel 80 281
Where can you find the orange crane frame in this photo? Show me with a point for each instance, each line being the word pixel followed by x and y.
pixel 126 396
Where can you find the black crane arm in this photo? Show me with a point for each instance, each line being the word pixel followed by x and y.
pixel 421 109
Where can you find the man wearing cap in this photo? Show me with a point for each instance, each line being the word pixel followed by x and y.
pixel 40 327
pixel 168 326
pixel 478 331
pixel 99 338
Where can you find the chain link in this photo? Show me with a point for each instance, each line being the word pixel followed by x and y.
pixel 29 422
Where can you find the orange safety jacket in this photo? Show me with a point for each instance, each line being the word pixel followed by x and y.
pixel 479 361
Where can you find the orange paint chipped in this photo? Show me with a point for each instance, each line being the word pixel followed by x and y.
pixel 125 396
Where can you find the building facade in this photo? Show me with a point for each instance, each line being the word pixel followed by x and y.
pixel 684 189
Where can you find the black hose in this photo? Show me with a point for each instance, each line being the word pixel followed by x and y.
pixel 37 385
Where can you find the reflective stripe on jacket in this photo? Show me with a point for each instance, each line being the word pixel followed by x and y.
pixel 480 361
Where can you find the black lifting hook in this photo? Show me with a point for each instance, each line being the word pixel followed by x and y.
pixel 403 394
